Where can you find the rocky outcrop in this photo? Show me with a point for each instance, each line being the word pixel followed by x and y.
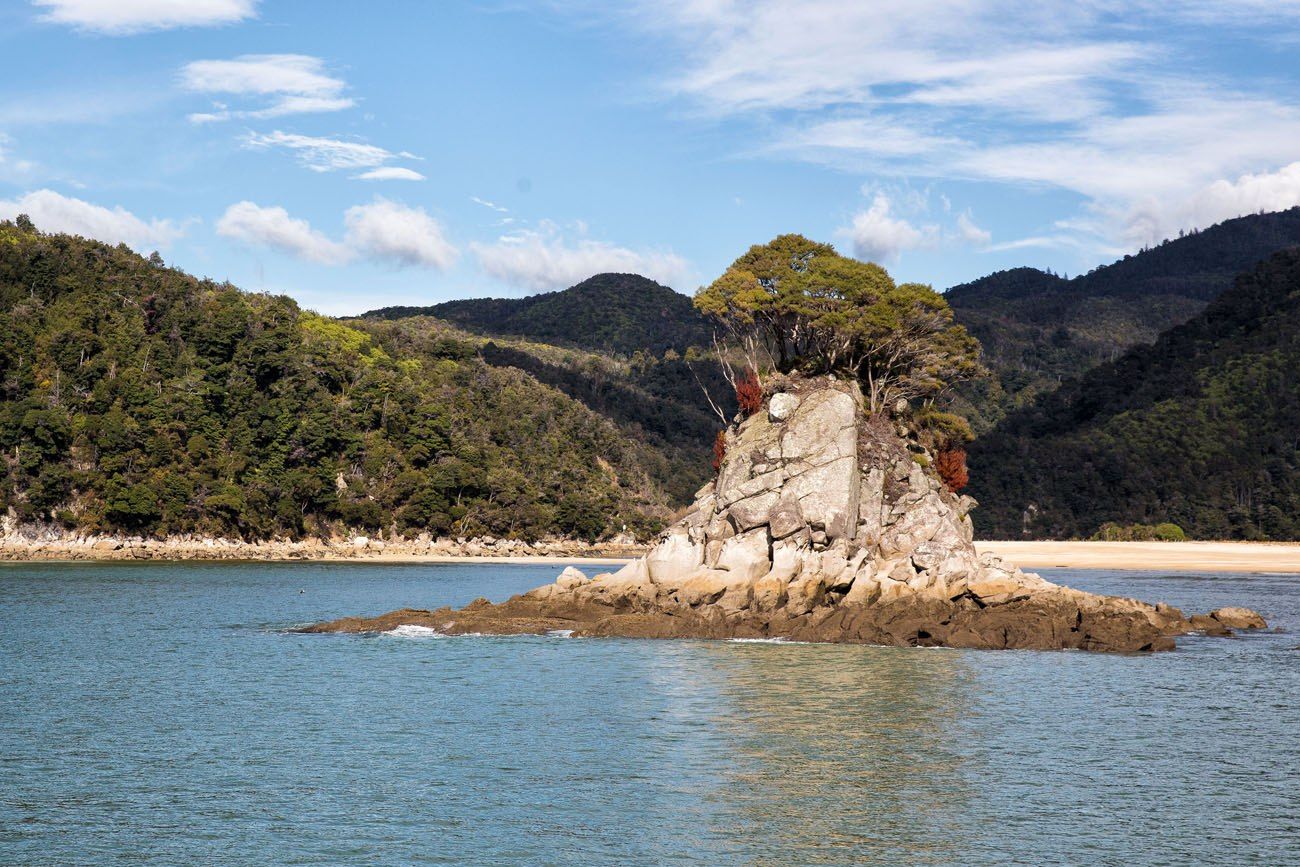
pixel 824 524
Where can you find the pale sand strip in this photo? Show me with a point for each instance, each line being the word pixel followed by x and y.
pixel 538 560
pixel 1183 556
pixel 1179 556
pixel 1186 556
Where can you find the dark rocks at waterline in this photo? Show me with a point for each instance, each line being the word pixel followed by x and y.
pixel 824 525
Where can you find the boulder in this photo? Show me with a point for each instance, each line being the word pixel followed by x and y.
pixel 755 511
pixel 674 558
pixel 570 578
pixel 746 556
pixel 1239 618
pixel 781 406
pixel 786 518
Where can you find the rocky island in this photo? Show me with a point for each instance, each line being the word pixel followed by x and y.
pixel 825 523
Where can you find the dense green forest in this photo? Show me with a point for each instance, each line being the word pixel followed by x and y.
pixel 658 401
pixel 620 313
pixel 1038 328
pixel 1201 429
pixel 135 398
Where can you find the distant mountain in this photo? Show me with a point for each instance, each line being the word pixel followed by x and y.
pixel 1038 328
pixel 620 313
pixel 1201 429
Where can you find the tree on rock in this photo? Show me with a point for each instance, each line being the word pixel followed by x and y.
pixel 798 305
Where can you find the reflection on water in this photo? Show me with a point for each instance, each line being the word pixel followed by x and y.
pixel 159 714
pixel 843 751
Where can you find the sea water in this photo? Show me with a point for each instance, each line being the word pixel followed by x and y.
pixel 163 714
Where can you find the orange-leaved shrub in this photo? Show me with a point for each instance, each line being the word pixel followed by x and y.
pixel 950 463
pixel 719 449
pixel 749 392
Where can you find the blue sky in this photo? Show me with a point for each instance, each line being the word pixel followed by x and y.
pixel 356 155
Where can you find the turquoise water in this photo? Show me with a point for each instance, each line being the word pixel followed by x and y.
pixel 161 714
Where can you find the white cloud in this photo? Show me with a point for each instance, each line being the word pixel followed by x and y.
pixel 802 54
pixel 293 84
pixel 54 212
pixel 390 173
pixel 971 232
pixel 326 154
pixel 273 227
pixel 879 237
pixel 123 17
pixel 391 232
pixel 382 231
pixel 1133 109
pixel 1151 220
pixel 543 259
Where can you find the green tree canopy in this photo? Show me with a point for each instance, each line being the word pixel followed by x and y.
pixel 799 305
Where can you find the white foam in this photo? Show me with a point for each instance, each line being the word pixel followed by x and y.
pixel 765 641
pixel 410 630
pixel 561 633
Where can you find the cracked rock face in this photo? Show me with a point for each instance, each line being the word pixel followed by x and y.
pixel 822 526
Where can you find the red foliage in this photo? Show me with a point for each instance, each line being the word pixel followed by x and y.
pixel 749 393
pixel 719 449
pixel 951 464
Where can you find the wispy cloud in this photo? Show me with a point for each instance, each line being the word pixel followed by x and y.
pixel 326 154
pixel 11 166
pixel 544 259
pixel 55 212
pixel 287 83
pixel 969 231
pixel 390 173
pixel 1067 95
pixel 492 206
pixel 125 17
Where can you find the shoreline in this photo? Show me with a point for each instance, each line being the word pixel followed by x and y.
pixel 1154 556
pixel 1281 557
pixel 49 547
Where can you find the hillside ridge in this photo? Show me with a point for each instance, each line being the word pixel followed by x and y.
pixel 1199 428
pixel 611 312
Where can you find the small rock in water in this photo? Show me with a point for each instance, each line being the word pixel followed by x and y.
pixel 1239 618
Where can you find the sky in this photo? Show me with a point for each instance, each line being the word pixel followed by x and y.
pixel 356 155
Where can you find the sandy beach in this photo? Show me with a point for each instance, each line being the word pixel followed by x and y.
pixel 1183 556
pixel 1177 556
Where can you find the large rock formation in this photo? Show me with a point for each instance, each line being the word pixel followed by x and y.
pixel 822 525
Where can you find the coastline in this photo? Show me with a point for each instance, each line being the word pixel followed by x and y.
pixel 51 547
pixel 1186 556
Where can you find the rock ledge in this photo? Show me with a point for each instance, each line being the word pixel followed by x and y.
pixel 824 525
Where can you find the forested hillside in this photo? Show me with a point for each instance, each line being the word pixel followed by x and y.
pixel 620 313
pixel 136 398
pixel 1037 328
pixel 1201 429
pixel 656 402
